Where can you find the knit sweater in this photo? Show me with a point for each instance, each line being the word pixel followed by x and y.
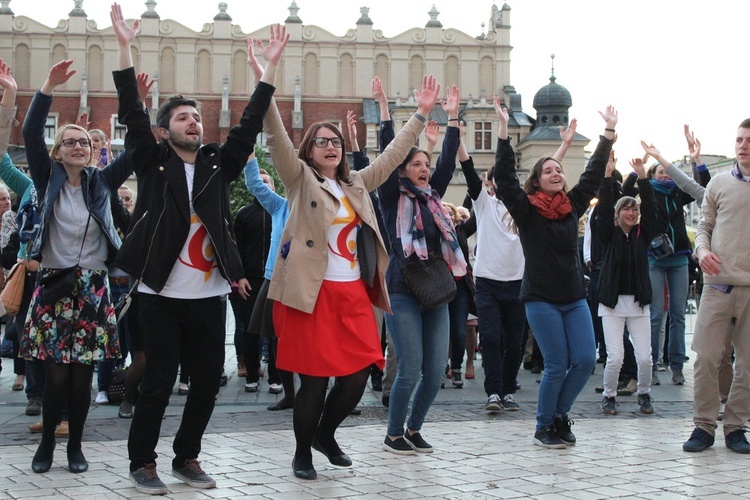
pixel 723 229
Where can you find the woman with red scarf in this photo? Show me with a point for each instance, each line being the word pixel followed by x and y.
pixel 546 216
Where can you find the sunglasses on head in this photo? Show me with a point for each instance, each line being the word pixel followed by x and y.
pixel 322 142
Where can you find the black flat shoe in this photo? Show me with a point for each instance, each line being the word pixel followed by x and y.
pixel 42 461
pixel 303 469
pixel 341 460
pixel 77 462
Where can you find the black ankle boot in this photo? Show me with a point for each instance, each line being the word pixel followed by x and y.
pixel 76 461
pixel 42 461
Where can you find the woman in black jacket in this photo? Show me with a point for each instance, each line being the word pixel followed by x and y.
pixel 624 284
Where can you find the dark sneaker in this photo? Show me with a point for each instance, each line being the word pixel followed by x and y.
pixel 494 403
pixel 677 377
pixel 699 441
pixel 644 401
pixel 417 442
pixel 737 442
pixel 34 407
pixel 456 380
pixel 192 475
pixel 654 378
pixel 399 446
pixel 609 405
pixel 627 388
pixel 509 403
pixel 275 389
pixel 147 481
pixel 251 387
pixel 562 427
pixel 548 438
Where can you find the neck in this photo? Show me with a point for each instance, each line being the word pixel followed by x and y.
pixel 184 154
pixel 744 170
pixel 330 173
pixel 74 175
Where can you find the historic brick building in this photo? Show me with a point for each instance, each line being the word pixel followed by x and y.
pixel 321 77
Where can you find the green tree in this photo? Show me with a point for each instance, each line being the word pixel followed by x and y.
pixel 239 196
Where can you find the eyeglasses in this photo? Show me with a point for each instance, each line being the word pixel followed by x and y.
pixel 322 142
pixel 71 143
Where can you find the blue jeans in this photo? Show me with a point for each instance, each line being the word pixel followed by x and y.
pixel 458 310
pixel 421 341
pixel 502 319
pixel 565 335
pixel 677 281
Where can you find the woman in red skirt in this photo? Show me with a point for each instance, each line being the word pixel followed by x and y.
pixel 330 269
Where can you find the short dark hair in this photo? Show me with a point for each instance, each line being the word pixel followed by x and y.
pixel 745 123
pixel 165 110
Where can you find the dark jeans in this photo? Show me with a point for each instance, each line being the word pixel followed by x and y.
pixel 250 343
pixel 458 310
pixel 166 325
pixel 593 301
pixel 502 319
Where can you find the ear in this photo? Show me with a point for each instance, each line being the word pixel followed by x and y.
pixel 163 133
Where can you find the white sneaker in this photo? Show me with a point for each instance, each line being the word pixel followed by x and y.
pixel 102 398
pixel 275 389
pixel 251 387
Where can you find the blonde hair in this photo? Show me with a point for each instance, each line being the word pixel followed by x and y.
pixel 451 208
pixel 59 138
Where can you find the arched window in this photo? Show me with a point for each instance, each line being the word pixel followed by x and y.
pixel 310 75
pixel 94 68
pixel 382 70
pixel 21 67
pixel 451 71
pixel 167 70
pixel 416 72
pixel 346 75
pixel 487 76
pixel 203 72
pixel 239 72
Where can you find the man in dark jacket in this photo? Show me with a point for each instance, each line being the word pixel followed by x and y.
pixel 182 250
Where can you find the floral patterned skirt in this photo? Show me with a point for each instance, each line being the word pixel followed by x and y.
pixel 79 328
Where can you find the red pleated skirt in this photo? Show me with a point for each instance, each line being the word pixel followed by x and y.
pixel 339 338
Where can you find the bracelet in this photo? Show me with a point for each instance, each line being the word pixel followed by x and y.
pixel 609 130
pixel 453 120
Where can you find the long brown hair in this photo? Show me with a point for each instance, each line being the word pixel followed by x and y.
pixel 531 185
pixel 342 170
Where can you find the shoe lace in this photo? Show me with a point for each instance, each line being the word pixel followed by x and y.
pixel 149 470
pixel 194 465
pixel 509 398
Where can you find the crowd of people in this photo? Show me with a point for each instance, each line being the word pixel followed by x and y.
pixel 352 264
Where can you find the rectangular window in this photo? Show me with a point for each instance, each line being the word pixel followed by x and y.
pixel 50 128
pixel 118 130
pixel 482 136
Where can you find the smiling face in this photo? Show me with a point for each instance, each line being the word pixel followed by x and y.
pixel 626 213
pixel 185 129
pixel 551 179
pixel 660 173
pixel 4 201
pixel 417 169
pixel 74 155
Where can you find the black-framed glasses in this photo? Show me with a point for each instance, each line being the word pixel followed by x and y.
pixel 322 142
pixel 71 143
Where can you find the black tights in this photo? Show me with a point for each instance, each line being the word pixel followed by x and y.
pixel 71 381
pixel 318 416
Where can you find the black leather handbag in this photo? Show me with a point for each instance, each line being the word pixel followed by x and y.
pixel 430 281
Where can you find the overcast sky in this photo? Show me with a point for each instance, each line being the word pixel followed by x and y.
pixel 661 63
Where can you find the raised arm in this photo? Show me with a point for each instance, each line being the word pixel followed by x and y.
pixel 446 162
pixel 680 178
pixel 431 133
pixel 473 181
pixel 605 209
pixel 567 135
pixel 125 35
pixel 266 196
pixel 7 105
pixel 386 133
pixel 507 186
pixel 359 158
pixel 648 209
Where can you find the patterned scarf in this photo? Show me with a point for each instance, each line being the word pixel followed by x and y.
pixel 410 227
pixel 551 207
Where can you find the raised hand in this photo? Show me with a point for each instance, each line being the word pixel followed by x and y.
pixel 253 62
pixel 431 132
pixel 125 34
pixel 568 134
pixel 58 74
pixel 144 85
pixel 276 44
pixel 428 96
pixel 452 100
pixel 689 137
pixel 501 110
pixel 609 116
pixel 378 93
pixel 695 152
pixel 7 82
pixel 638 167
pixel 611 164
pixel 650 150
pixel 351 125
pixel 83 121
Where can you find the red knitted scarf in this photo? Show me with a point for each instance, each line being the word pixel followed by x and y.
pixel 551 207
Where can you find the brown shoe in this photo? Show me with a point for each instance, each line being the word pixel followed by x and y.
pixel 62 429
pixel 36 427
